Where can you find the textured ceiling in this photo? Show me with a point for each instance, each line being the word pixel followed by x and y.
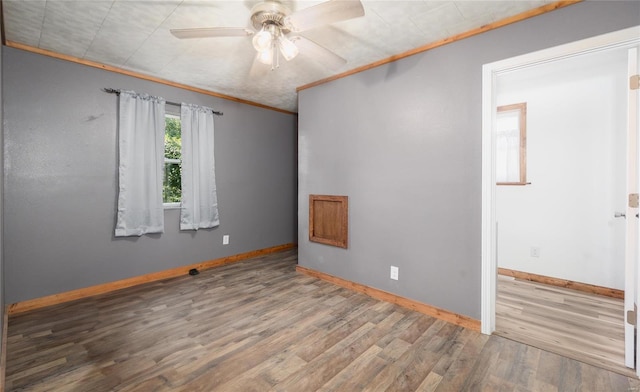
pixel 134 35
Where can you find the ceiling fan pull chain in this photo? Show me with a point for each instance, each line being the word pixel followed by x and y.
pixel 273 59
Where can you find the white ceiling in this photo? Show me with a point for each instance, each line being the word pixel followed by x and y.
pixel 134 35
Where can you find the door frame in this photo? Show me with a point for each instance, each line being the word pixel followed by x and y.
pixel 619 39
pixel 631 347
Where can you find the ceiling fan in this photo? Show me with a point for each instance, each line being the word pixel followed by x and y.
pixel 276 27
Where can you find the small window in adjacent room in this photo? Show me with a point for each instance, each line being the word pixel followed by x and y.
pixel 172 189
pixel 511 144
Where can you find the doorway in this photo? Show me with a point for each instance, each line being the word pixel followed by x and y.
pixel 566 222
pixel 525 243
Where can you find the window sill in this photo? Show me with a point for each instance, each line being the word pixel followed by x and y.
pixel 513 183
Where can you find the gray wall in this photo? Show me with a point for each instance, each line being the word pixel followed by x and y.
pixel 403 141
pixel 60 190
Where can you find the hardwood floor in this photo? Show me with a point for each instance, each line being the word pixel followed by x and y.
pixel 579 325
pixel 257 325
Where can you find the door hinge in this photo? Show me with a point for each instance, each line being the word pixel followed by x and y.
pixel 634 200
pixel 631 315
pixel 634 82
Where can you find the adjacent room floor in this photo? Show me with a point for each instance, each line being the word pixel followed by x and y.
pixel 257 325
pixel 579 325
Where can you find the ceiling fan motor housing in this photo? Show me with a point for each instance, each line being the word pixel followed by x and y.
pixel 270 12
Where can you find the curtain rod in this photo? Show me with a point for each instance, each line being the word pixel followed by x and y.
pixel 117 92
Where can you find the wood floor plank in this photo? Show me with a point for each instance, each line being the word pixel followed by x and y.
pixel 580 325
pixel 467 366
pixel 357 366
pixel 401 373
pixel 328 364
pixel 430 383
pixel 257 325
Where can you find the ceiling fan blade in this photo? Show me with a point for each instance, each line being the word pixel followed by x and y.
pixel 324 13
pixel 318 52
pixel 206 32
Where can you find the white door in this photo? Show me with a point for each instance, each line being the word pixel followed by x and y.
pixel 632 271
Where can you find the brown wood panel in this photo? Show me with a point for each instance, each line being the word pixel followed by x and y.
pixel 73 295
pixel 584 287
pixel 329 220
pixel 257 325
pixel 326 223
pixel 458 319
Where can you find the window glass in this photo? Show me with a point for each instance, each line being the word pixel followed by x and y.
pixel 511 145
pixel 172 190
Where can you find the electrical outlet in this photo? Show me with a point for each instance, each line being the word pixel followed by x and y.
pixel 225 239
pixel 394 273
pixel 535 251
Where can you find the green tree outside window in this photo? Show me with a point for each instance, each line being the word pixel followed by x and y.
pixel 172 190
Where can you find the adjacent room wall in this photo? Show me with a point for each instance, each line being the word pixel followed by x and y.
pixel 61 180
pixel 576 132
pixel 403 141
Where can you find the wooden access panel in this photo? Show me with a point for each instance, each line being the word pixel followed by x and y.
pixel 328 220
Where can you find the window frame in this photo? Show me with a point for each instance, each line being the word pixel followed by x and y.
pixel 521 109
pixel 172 111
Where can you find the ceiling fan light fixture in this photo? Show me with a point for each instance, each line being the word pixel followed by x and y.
pixel 266 56
pixel 273 21
pixel 263 40
pixel 288 49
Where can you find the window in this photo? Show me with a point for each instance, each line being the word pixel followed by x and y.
pixel 172 188
pixel 511 144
